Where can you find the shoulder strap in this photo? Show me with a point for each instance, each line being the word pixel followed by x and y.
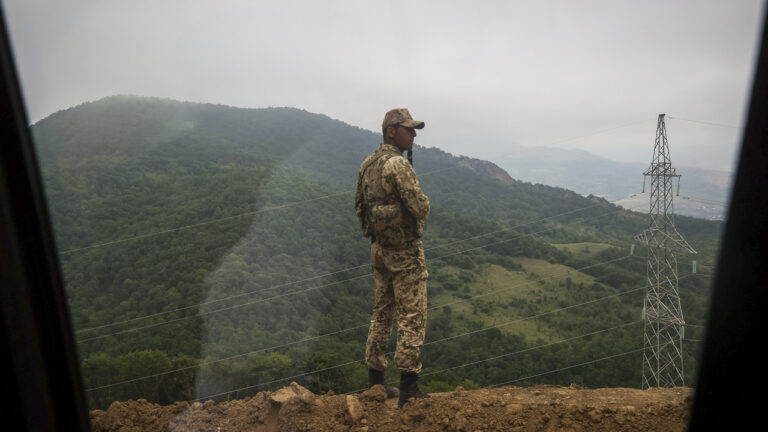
pixel 387 153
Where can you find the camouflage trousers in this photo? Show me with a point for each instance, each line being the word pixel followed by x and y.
pixel 401 288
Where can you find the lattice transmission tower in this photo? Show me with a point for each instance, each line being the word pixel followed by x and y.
pixel 662 314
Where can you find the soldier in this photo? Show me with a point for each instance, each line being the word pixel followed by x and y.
pixel 392 208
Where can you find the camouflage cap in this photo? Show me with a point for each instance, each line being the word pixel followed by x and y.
pixel 401 116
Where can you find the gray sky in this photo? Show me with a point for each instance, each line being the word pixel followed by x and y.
pixel 485 76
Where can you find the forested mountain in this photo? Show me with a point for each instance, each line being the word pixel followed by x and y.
pixel 208 248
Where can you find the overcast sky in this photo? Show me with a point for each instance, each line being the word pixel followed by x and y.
pixel 485 76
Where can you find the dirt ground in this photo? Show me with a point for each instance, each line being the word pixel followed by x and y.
pixel 294 408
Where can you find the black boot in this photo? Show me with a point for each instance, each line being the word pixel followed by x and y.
pixel 409 388
pixel 377 377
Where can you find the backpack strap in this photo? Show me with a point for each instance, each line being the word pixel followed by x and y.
pixel 388 154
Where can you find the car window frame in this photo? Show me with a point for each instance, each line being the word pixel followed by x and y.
pixel 42 384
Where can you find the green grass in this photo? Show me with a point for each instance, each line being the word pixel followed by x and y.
pixel 501 297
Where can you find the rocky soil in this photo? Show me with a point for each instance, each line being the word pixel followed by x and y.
pixel 294 408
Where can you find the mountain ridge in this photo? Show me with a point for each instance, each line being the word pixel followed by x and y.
pixel 212 248
pixel 704 191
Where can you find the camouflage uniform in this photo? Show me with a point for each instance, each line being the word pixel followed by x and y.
pixel 392 208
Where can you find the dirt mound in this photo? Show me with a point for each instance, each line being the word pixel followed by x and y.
pixel 295 408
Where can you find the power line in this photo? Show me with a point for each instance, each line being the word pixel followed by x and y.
pixel 706 122
pixel 292 293
pixel 197 225
pixel 347 329
pixel 568 367
pixel 431 373
pixel 553 311
pixel 532 348
pixel 520 351
pixel 683 262
pixel 224 298
pixel 226 359
pixel 532 316
pixel 508 240
pixel 340 331
pixel 443 340
pixel 704 201
pixel 355 361
pixel 293 203
pixel 307 280
pixel 591 134
pixel 694 199
pixel 532 281
pixel 466 364
pixel 339 282
pixel 511 228
pixel 135 329
pixel 213 221
pixel 601 131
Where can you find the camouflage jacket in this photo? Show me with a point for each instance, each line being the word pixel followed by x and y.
pixel 389 202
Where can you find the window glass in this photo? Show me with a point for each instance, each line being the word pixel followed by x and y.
pixel 200 163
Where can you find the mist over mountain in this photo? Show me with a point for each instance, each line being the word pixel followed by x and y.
pixel 213 251
pixel 703 192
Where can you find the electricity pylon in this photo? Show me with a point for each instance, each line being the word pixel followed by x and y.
pixel 662 314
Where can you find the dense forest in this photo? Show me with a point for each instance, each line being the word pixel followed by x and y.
pixel 213 252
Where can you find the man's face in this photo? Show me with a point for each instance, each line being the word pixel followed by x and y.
pixel 403 137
